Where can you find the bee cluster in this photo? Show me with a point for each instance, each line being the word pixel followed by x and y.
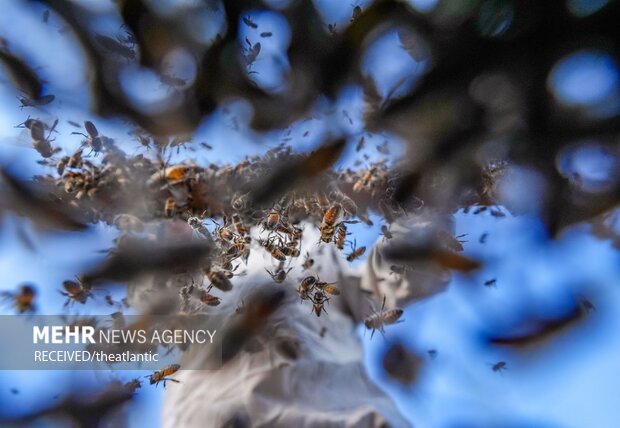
pixel 101 182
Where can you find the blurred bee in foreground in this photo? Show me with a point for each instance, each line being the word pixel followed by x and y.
pixel 378 320
pixel 132 385
pixel 161 375
pixel 23 299
pixel 219 280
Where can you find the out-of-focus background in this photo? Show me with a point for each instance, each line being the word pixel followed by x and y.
pixel 567 380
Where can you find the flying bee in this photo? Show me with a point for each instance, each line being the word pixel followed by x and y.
pixel 306 286
pixel 341 233
pixel 279 276
pixel 249 22
pixel 499 366
pixel 328 225
pixel 238 224
pixel 356 253
pixel 75 291
pixel 209 299
pixel 169 207
pixel 308 262
pixel 41 143
pixel 318 303
pixel 385 231
pixel 219 280
pixel 378 320
pixel 23 299
pixel 161 375
pixel 93 139
pixel 273 249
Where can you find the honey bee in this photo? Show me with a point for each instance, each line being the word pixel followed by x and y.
pixel 378 320
pixel 385 231
pixel 41 143
pixel 273 249
pixel 272 220
pixel 306 286
pixel 239 248
pixel 75 291
pixel 75 161
pixel 308 262
pixel 290 250
pixel 499 366
pixel 328 225
pixel 209 299
pixel 318 303
pixel 341 234
pixel 219 280
pixel 161 375
pixel 198 226
pixel 356 253
pixel 23 299
pixel 93 139
pixel 222 233
pixel 279 276
pixel 169 207
pixel 238 224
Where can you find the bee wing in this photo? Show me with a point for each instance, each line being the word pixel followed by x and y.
pixel 25 201
pixel 22 75
pixel 534 332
